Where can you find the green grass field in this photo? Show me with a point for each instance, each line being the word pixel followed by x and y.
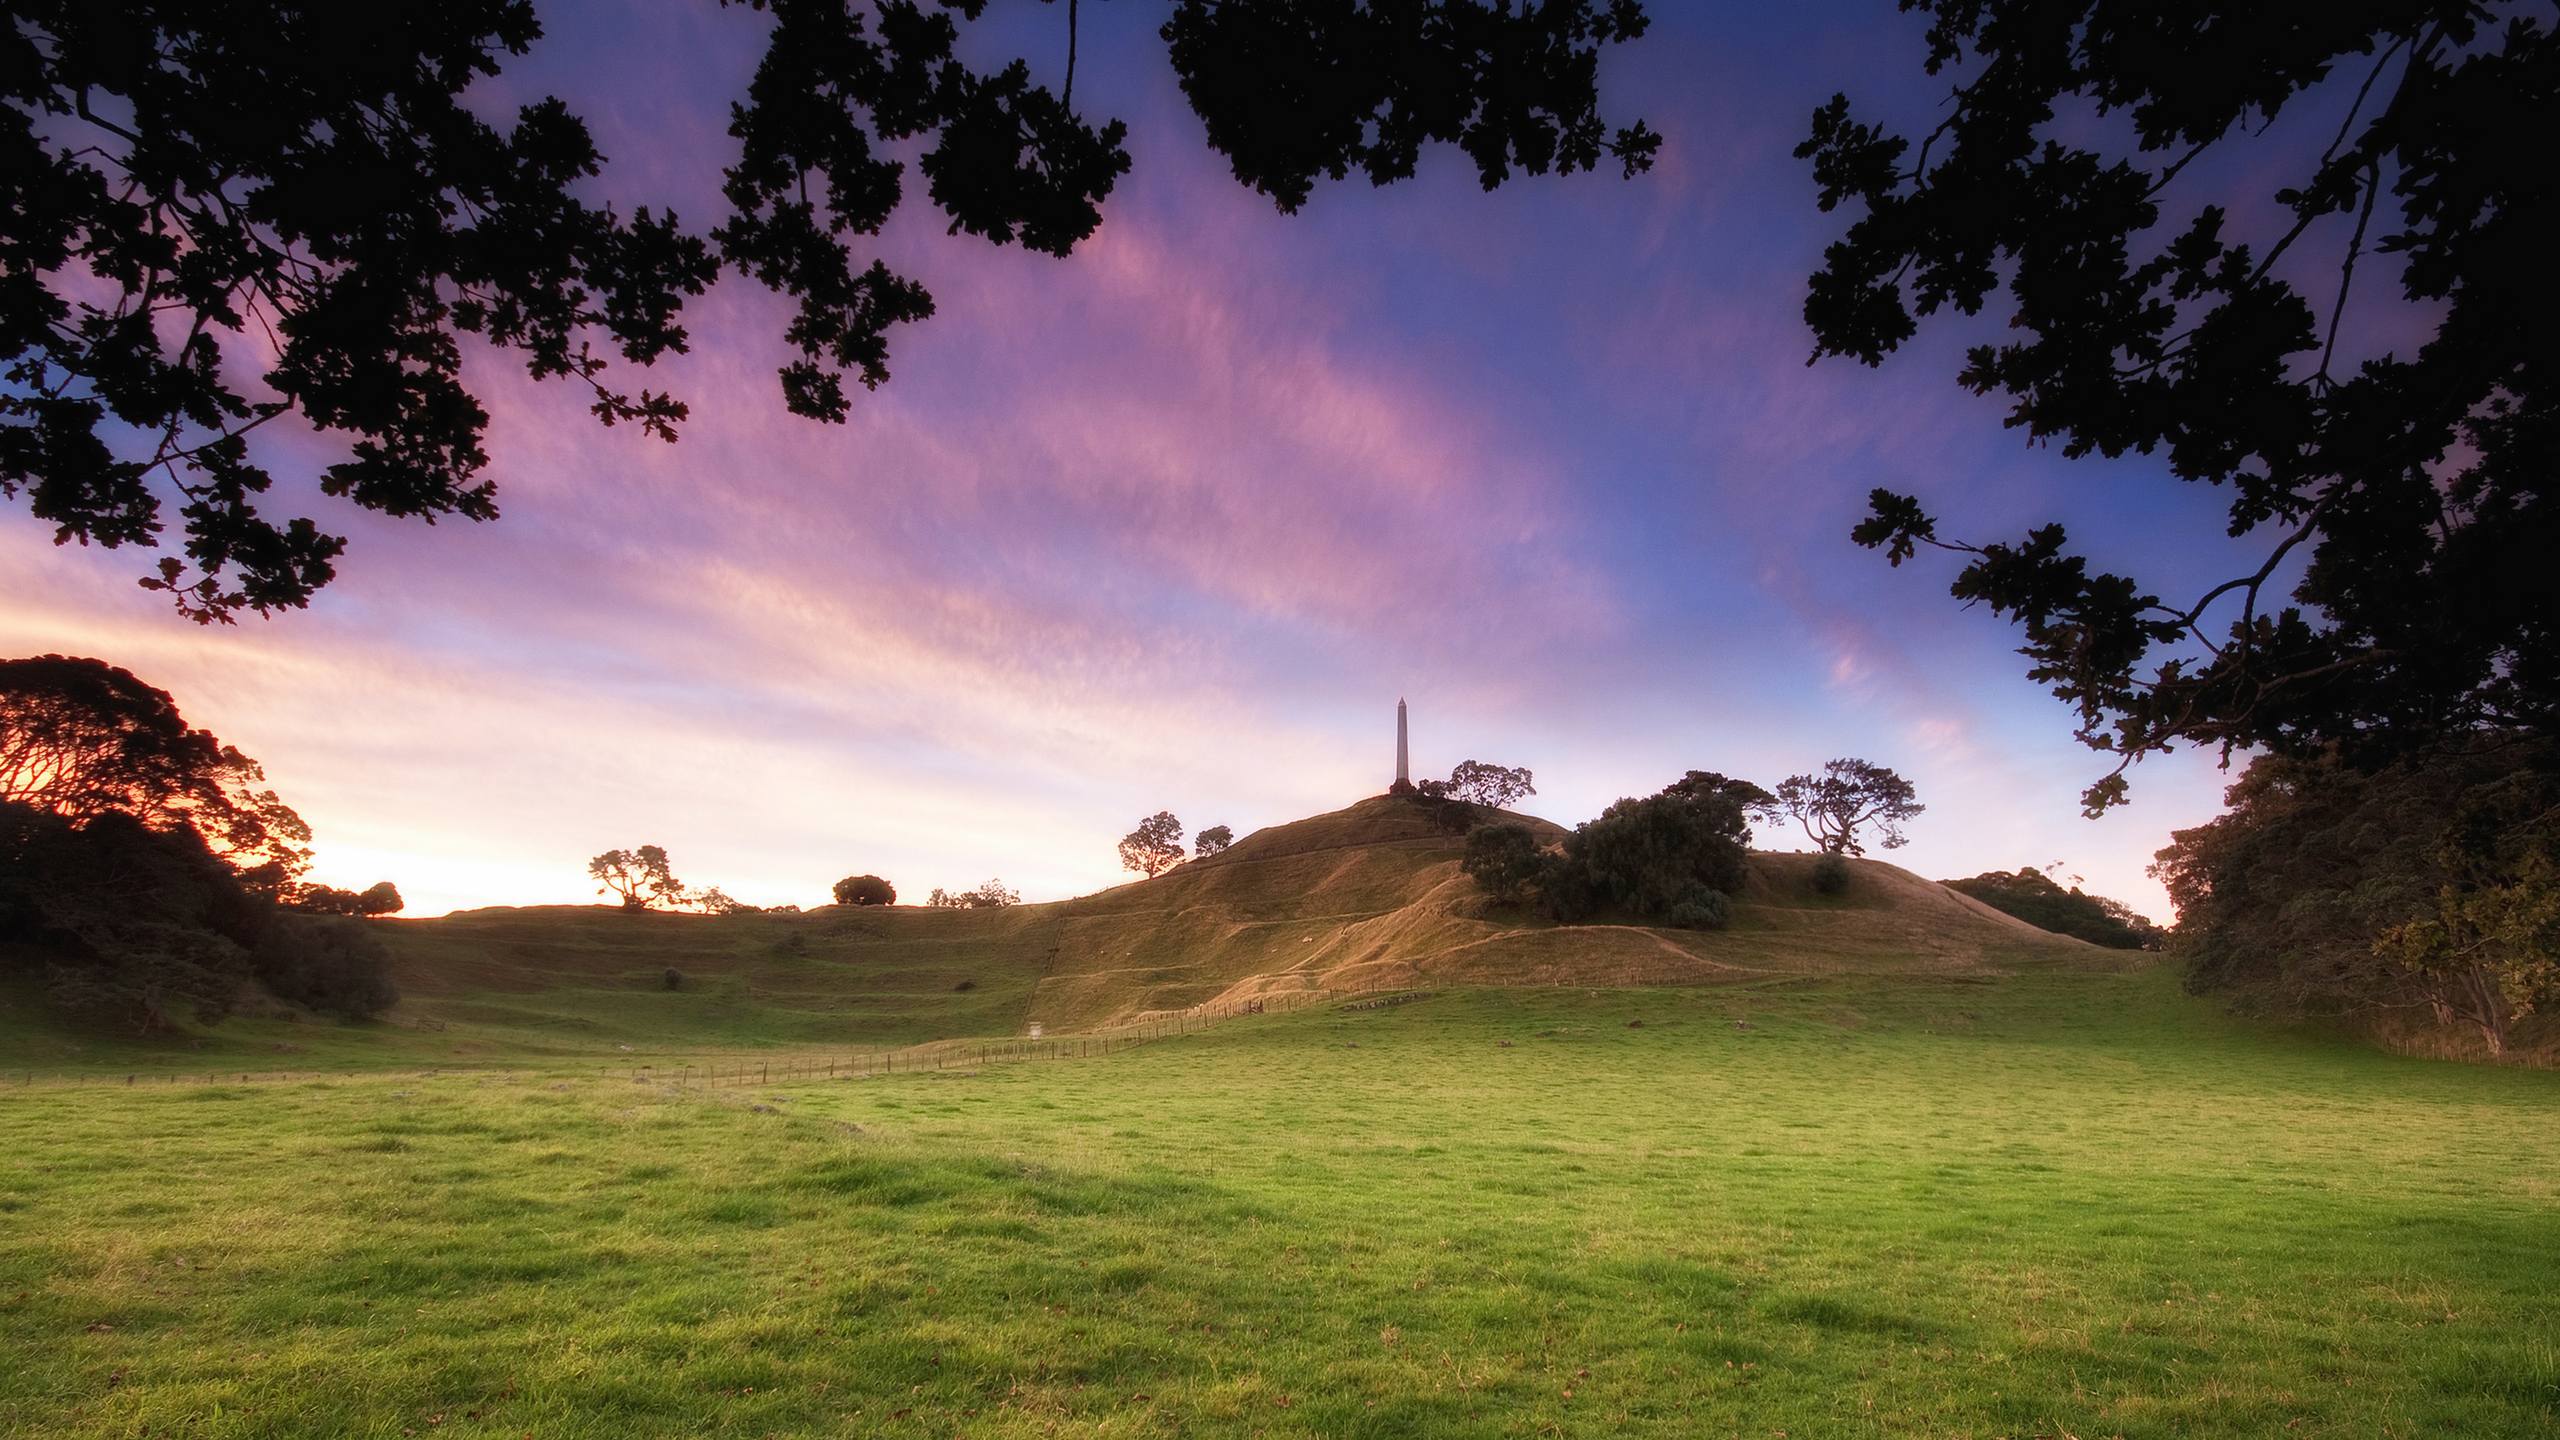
pixel 2065 1203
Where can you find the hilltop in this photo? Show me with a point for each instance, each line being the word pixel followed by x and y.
pixel 1365 896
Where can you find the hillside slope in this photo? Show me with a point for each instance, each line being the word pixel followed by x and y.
pixel 1369 895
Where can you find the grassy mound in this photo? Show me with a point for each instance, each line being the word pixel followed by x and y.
pixel 1362 897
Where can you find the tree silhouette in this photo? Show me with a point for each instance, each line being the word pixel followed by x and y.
pixel 1154 847
pixel 222 215
pixel 1211 841
pixel 640 877
pixel 1848 794
pixel 1478 783
pixel 865 890
pixel 2403 501
pixel 80 738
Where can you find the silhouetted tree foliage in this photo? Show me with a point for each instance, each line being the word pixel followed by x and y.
pixel 1645 859
pixel 328 962
pixel 990 895
pixel 1154 847
pixel 380 898
pixel 1478 783
pixel 1210 841
pixel 80 738
pixel 1504 861
pixel 2041 901
pixel 2402 501
pixel 124 920
pixel 865 890
pixel 222 214
pixel 141 859
pixel 640 877
pixel 2431 884
pixel 1707 786
pixel 1847 796
pixel 1447 814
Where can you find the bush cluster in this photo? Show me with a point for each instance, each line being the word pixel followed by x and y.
pixel 1670 859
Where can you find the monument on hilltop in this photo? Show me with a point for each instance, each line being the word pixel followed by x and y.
pixel 1404 761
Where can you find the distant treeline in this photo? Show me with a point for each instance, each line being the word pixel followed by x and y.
pixel 2041 901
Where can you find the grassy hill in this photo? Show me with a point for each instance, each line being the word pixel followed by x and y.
pixel 1366 896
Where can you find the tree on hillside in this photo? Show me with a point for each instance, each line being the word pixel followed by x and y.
pixel 991 894
pixel 1154 847
pixel 1710 787
pixel 2364 364
pixel 1478 783
pixel 226 215
pixel 1845 797
pixel 2431 886
pixel 141 859
pixel 865 890
pixel 1666 858
pixel 1210 841
pixel 640 877
pixel 2041 901
pixel 1504 861
pixel 80 738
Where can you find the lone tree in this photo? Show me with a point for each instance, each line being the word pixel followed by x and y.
pixel 223 215
pixel 1154 847
pixel 639 876
pixel 1478 783
pixel 2361 359
pixel 1847 795
pixel 865 890
pixel 1210 841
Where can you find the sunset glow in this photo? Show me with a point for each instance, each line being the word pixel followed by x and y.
pixel 1171 525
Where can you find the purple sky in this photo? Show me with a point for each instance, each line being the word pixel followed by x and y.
pixel 1173 523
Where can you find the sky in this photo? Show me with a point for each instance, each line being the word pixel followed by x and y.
pixel 1174 522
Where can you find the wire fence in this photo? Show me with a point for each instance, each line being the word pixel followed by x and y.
pixel 768 1068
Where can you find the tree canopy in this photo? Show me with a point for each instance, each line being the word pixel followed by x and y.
pixel 1211 841
pixel 1499 786
pixel 221 215
pixel 641 878
pixel 865 890
pixel 2394 476
pixel 80 738
pixel 142 861
pixel 2431 885
pixel 1154 847
pixel 1848 795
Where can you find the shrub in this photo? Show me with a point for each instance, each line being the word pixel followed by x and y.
pixel 329 962
pixel 1699 909
pixel 673 979
pixel 865 890
pixel 1830 874
pixel 1504 861
pixel 965 985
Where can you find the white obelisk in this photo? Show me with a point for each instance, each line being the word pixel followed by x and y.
pixel 1404 767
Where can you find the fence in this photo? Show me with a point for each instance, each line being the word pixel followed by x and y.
pixel 715 1072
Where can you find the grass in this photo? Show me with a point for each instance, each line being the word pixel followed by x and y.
pixel 2060 1203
